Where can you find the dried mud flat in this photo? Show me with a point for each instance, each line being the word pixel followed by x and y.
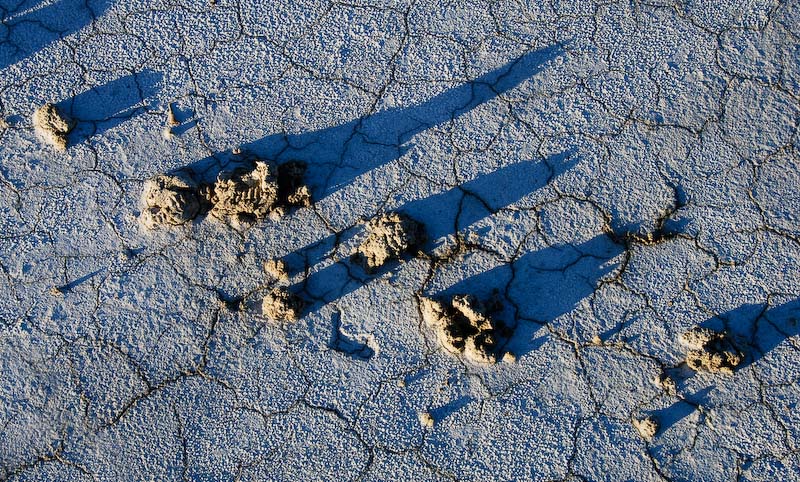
pixel 399 241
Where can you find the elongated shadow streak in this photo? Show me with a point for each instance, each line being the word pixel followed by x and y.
pixel 108 105
pixel 337 155
pixel 32 27
pixel 449 212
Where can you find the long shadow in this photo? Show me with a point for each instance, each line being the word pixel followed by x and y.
pixel 445 213
pixel 539 286
pixel 34 25
pixel 756 330
pixel 337 155
pixel 106 106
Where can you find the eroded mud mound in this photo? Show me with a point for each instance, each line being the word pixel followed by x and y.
pixel 710 351
pixel 53 125
pixel 389 236
pixel 282 305
pixel 463 327
pixel 646 427
pixel 168 200
pixel 251 192
pixel 246 193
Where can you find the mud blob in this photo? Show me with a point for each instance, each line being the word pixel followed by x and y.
pixel 463 327
pixel 282 305
pixel 246 193
pixel 168 200
pixel 389 236
pixel 710 351
pixel 53 125
pixel 647 428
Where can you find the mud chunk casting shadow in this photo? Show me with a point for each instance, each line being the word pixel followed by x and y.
pixel 463 326
pixel 710 351
pixel 53 125
pixel 389 236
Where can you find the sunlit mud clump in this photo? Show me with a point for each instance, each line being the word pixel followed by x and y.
pixel 463 327
pixel 53 125
pixel 282 305
pixel 710 351
pixel 246 193
pixel 389 237
pixel 168 200
pixel 647 428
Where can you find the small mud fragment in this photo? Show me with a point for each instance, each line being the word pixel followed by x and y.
pixel 509 357
pixel 426 419
pixel 666 383
pixel 246 194
pixel 53 125
pixel 463 327
pixel 168 200
pixel 710 351
pixel 647 428
pixel 277 269
pixel 389 236
pixel 282 305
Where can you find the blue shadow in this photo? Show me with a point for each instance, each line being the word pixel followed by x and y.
pixel 442 214
pixel 31 26
pixel 106 106
pixel 337 155
pixel 756 330
pixel 540 286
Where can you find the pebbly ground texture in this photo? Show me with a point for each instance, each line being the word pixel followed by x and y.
pixel 615 173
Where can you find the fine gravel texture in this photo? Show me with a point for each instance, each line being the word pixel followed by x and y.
pixel 614 173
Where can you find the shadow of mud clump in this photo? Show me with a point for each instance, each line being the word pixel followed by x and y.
pixel 255 190
pixel 464 326
pixel 389 236
pixel 710 351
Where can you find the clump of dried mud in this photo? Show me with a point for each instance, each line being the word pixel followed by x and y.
pixel 248 193
pixel 53 125
pixel 463 326
pixel 277 269
pixel 168 200
pixel 282 305
pixel 389 236
pixel 710 351
pixel 647 428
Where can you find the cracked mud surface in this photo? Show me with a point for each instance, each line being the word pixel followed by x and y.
pixel 618 172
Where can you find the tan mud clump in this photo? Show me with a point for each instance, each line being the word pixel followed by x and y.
pixel 647 428
pixel 710 351
pixel 463 327
pixel 277 269
pixel 426 419
pixel 389 236
pixel 53 125
pixel 282 305
pixel 246 193
pixel 168 200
